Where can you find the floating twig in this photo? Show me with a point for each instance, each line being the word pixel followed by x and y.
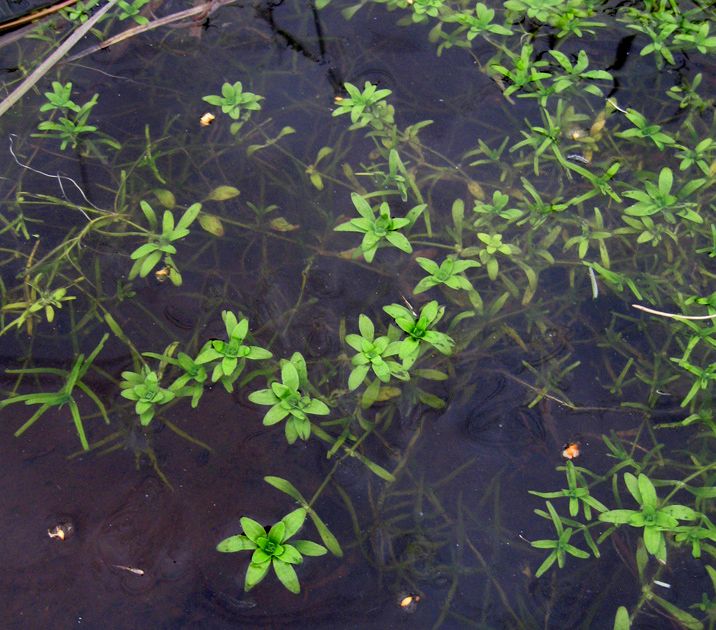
pixel 31 17
pixel 646 309
pixel 60 52
pixel 202 10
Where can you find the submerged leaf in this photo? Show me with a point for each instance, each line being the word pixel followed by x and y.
pixel 222 193
pixel 212 224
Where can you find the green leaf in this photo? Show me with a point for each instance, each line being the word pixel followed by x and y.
pixel 431 375
pixel 149 263
pixel 252 529
pixel 223 193
pixel 326 535
pixel 647 491
pixel 255 573
pixel 618 517
pixel 621 620
pixel 286 487
pixel 235 543
pixel 79 427
pixel 688 621
pixel 362 206
pixel 287 575
pixel 653 538
pixel 189 216
pixel 309 548
pixel 633 486
pixel 428 265
pixel 354 341
pixel 143 250
pixel 275 415
pixel 681 512
pixel 317 408
pixel 398 240
pixel 212 224
pixel 548 562
pixel 370 395
pixel 357 376
pixel 374 468
pixel 712 574
pixel 167 223
pixel 149 214
pixel 257 353
pixel 293 522
pixel 442 342
pixel 642 559
pixel 365 325
pixel 458 214
pixel 165 197
pixel 431 400
pixel 289 376
pixel 291 555
pixel 666 180
pixel 277 533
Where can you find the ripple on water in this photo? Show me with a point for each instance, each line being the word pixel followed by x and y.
pixel 143 542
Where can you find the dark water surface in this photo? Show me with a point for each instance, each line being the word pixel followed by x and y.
pixel 454 527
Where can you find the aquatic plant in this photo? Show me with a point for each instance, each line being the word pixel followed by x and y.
pixel 372 355
pixel 71 125
pixel 654 518
pixel 63 396
pixel 238 104
pixel 418 329
pixel 160 243
pixel 560 547
pixel 272 550
pixel 580 205
pixel 376 228
pixel 230 355
pixel 363 107
pixel 289 401
pixel 145 389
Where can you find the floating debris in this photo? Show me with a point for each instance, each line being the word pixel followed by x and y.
pixel 571 450
pixel 62 531
pixel 409 603
pixel 163 274
pixel 130 569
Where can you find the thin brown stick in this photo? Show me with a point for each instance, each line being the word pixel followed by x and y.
pixel 203 9
pixel 31 17
pixel 60 52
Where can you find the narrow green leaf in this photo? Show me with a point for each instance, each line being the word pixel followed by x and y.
pixel 329 540
pixel 286 487
pixel 375 468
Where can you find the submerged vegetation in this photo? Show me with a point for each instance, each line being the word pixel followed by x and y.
pixel 492 279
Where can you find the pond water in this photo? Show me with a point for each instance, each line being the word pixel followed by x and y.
pixel 426 485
